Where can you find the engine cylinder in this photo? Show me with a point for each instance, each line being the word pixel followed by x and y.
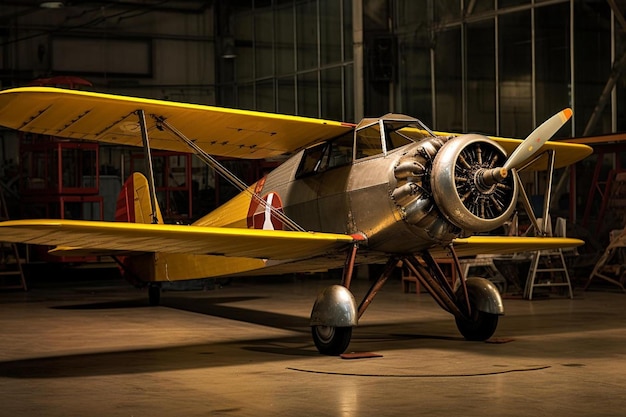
pixel 412 191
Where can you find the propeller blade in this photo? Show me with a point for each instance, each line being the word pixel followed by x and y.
pixel 537 138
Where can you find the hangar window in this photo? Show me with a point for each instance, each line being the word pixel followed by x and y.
pixel 327 155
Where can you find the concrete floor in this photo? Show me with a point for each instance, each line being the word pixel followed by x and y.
pixel 97 349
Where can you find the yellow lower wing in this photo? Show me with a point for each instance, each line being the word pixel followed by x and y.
pixel 503 245
pixel 119 237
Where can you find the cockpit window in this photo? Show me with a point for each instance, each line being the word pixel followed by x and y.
pixel 396 139
pixel 327 155
pixel 339 151
pixel 368 142
pixel 312 159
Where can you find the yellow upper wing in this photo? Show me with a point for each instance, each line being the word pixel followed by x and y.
pixel 503 245
pixel 218 131
pixel 111 118
pixel 565 153
pixel 125 237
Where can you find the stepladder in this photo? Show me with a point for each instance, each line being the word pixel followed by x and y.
pixel 548 269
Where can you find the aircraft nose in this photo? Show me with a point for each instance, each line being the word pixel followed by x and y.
pixel 469 188
pixel 449 186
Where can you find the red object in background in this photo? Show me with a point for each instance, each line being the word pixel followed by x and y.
pixel 68 80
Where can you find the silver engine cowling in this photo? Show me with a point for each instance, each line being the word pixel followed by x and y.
pixel 440 188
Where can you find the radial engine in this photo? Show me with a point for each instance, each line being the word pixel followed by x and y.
pixel 452 186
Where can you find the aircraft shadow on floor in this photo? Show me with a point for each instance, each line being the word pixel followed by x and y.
pixel 423 333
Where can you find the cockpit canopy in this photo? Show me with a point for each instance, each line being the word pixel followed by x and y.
pixel 371 137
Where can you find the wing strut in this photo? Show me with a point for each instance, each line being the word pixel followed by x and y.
pixel 146 147
pixel 540 229
pixel 230 177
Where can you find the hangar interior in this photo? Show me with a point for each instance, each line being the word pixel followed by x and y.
pixel 493 67
pixel 79 342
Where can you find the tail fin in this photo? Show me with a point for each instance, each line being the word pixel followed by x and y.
pixel 134 203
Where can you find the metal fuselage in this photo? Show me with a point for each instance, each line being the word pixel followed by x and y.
pixel 400 186
pixel 354 198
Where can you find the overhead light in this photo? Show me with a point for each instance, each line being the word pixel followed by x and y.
pixel 51 4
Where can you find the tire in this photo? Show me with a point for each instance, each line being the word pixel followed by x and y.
pixel 332 341
pixel 480 326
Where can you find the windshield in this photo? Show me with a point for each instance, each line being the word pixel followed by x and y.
pixel 398 131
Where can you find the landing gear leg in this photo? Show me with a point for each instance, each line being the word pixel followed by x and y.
pixel 476 304
pixel 335 313
pixel 369 297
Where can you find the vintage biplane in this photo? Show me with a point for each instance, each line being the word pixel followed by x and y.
pixel 382 191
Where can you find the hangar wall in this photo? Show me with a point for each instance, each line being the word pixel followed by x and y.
pixel 505 66
pixel 499 66
pixel 121 48
pixel 495 66
pixel 140 48
pixel 292 57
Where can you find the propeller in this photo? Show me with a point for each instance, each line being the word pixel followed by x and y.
pixel 528 147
